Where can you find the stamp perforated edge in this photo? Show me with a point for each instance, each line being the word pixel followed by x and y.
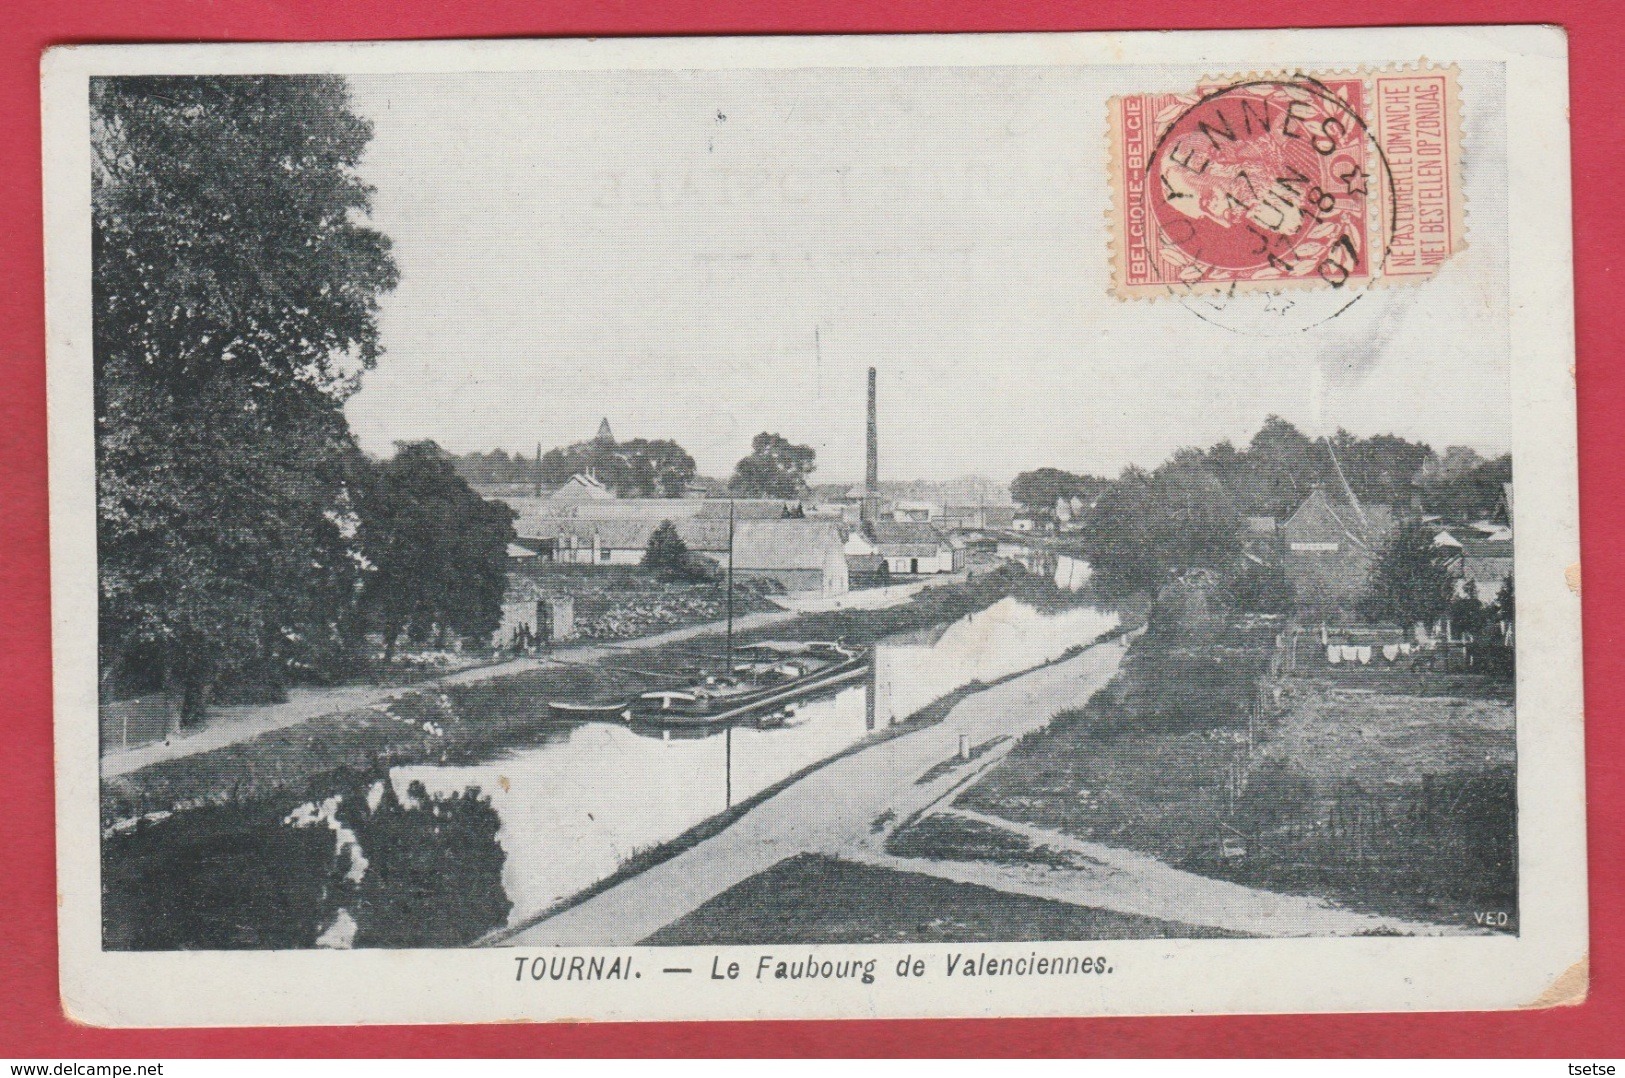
pixel 1456 204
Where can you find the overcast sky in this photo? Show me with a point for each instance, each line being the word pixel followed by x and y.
pixel 705 255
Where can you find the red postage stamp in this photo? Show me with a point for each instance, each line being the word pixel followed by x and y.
pixel 1277 181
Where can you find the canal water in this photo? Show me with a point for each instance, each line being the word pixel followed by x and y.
pixel 573 810
pixel 424 855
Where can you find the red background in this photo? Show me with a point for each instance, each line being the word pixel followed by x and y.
pixel 31 1021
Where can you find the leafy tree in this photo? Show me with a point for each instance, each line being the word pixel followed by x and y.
pixel 1281 465
pixel 774 469
pixel 497 466
pixel 657 468
pixel 1457 462
pixel 1284 465
pixel 1038 490
pixel 1468 616
pixel 640 468
pixel 1471 494
pixel 1413 580
pixel 1149 525
pixel 438 550
pixel 666 550
pixel 235 295
pixel 1383 468
pixel 1506 603
pixel 1259 583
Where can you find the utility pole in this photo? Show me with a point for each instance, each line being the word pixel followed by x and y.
pixel 728 734
pixel 730 585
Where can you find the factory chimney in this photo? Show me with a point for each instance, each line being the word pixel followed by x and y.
pixel 871 479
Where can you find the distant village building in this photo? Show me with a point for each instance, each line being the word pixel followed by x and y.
pixel 1329 549
pixel 913 548
pixel 529 621
pixel 976 517
pixel 617 533
pixel 802 556
pixel 915 512
pixel 582 487
pixel 1482 556
pixel 1485 566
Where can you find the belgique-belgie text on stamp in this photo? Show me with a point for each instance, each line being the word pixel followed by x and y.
pixel 1267 182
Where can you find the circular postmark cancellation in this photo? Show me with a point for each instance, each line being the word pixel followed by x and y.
pixel 1268 181
pixel 1269 204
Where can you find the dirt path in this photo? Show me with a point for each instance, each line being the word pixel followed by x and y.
pixel 1128 882
pixel 229 725
pixel 832 807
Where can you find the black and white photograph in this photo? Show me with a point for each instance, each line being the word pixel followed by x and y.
pixel 814 528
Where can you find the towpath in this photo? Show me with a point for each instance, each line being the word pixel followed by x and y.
pixel 1109 878
pixel 827 809
pixel 847 809
pixel 229 725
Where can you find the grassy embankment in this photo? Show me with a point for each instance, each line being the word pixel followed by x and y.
pixel 610 603
pixel 1387 789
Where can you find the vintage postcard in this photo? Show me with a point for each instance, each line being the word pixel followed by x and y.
pixel 989 525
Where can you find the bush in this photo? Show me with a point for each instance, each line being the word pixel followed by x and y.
pixel 666 550
pixel 1192 608
pixel 699 569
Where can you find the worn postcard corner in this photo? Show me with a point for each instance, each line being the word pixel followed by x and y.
pixel 1569 990
pixel 537 536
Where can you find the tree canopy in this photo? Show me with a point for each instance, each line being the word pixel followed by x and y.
pixel 236 289
pixel 438 551
pixel 1038 490
pixel 1148 525
pixel 666 550
pixel 775 468
pixel 639 468
pixel 1412 580
pixel 1187 514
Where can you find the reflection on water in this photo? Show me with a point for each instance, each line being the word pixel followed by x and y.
pixel 439 855
pixel 358 868
pixel 1006 638
pixel 574 809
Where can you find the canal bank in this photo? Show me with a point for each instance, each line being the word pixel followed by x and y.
pixel 261 750
pixel 829 810
pixel 491 755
